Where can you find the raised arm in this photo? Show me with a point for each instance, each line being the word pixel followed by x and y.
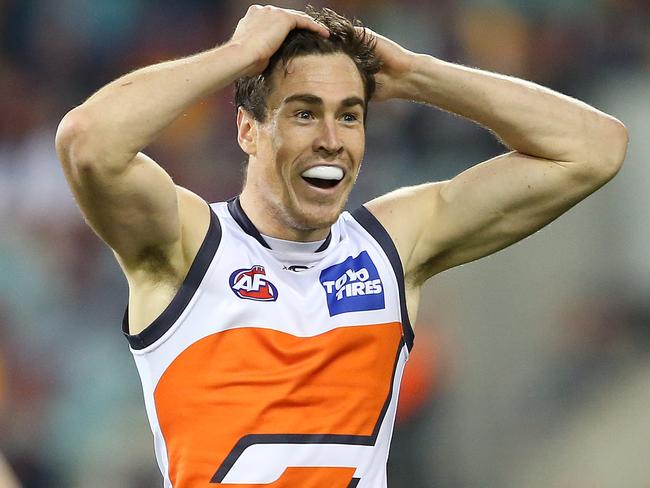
pixel 562 151
pixel 128 199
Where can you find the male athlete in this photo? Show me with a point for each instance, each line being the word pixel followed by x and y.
pixel 271 331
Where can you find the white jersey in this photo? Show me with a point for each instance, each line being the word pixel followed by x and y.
pixel 276 368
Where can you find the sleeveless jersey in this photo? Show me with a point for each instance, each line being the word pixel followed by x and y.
pixel 278 369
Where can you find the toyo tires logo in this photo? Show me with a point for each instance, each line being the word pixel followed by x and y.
pixel 252 284
pixel 353 285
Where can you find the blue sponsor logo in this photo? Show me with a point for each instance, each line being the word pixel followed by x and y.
pixel 353 286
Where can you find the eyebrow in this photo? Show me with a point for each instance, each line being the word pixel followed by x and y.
pixel 314 100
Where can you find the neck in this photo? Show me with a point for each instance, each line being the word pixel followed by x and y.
pixel 270 224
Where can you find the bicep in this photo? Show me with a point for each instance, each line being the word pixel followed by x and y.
pixel 484 209
pixel 134 210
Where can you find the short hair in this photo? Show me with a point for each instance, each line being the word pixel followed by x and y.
pixel 251 92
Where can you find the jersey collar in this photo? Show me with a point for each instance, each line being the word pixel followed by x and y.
pixel 237 212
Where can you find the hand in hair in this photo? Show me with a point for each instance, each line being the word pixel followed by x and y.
pixel 396 65
pixel 262 30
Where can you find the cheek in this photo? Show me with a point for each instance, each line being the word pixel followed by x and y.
pixel 276 139
pixel 358 148
pixel 287 148
pixel 280 156
pixel 271 153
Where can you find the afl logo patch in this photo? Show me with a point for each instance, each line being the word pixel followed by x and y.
pixel 252 284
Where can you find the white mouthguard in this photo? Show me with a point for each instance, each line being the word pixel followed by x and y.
pixel 324 173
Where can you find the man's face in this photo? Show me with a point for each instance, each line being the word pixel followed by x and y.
pixel 309 149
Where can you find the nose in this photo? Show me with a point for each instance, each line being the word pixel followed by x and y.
pixel 328 140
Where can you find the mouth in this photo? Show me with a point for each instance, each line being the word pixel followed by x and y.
pixel 321 183
pixel 323 177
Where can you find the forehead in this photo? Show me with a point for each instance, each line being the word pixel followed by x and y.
pixel 332 77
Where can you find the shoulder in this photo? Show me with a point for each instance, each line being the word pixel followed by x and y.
pixel 406 213
pixel 195 217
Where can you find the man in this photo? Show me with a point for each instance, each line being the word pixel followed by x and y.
pixel 271 331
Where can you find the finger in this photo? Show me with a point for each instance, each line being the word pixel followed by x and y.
pixel 304 21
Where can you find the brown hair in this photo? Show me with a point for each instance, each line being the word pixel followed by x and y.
pixel 251 92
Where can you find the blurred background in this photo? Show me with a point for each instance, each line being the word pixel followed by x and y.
pixel 531 368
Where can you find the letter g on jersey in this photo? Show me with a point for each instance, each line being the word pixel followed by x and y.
pixel 353 285
pixel 252 284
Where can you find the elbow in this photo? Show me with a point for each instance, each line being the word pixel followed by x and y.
pixel 613 145
pixel 620 140
pixel 71 139
pixel 81 146
pixel 603 148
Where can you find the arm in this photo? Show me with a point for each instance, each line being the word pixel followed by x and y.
pixel 7 477
pixel 128 199
pixel 562 151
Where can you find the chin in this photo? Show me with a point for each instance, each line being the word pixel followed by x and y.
pixel 319 217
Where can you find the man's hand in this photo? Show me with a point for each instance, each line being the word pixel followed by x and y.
pixel 263 29
pixel 396 65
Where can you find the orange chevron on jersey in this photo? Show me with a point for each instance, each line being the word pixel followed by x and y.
pixel 212 395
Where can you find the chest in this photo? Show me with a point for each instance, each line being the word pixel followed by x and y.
pixel 350 286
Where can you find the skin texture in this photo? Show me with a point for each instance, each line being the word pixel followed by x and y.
pixel 298 135
pixel 7 478
pixel 561 151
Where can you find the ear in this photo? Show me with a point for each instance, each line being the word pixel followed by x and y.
pixel 246 132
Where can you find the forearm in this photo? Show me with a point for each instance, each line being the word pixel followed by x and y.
pixel 527 117
pixel 126 115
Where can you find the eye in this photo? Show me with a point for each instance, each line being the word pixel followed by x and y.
pixel 350 117
pixel 304 115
